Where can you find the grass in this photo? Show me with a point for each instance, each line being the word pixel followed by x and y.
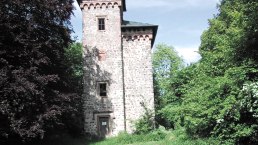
pixel 158 137
pixel 65 139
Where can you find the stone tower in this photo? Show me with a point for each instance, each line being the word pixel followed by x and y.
pixel 118 78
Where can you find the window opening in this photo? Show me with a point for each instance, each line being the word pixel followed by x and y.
pixel 103 89
pixel 101 22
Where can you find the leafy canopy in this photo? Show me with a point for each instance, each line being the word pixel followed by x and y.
pixel 218 93
pixel 35 95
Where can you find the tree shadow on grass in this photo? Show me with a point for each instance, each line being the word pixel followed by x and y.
pixel 67 139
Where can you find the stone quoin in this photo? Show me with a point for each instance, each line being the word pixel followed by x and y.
pixel 118 78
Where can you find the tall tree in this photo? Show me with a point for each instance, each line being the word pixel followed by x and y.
pixel 229 49
pixel 33 94
pixel 166 65
pixel 219 99
pixel 74 62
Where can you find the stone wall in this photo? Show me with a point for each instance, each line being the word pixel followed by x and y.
pixel 109 69
pixel 138 74
pixel 122 60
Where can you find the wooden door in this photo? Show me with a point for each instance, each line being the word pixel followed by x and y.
pixel 103 126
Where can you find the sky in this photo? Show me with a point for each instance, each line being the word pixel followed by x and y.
pixel 181 22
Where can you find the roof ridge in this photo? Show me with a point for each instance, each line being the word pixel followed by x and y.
pixel 134 23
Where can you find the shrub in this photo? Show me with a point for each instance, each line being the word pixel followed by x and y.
pixel 146 123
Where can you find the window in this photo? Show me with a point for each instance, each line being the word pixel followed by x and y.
pixel 102 89
pixel 101 23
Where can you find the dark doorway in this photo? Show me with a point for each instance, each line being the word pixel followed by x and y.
pixel 103 126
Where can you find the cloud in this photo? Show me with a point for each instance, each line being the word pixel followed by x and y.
pixel 171 4
pixel 189 54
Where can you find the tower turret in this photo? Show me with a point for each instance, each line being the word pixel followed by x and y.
pixel 103 77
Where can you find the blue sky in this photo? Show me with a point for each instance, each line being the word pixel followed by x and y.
pixel 181 22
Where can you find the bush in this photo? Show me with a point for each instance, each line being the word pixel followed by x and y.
pixel 146 123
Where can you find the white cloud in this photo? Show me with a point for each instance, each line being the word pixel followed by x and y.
pixel 189 54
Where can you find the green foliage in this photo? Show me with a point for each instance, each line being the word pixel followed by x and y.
pixel 146 123
pixel 249 98
pixel 124 138
pixel 158 137
pixel 213 94
pixel 166 65
pixel 74 63
pixel 217 94
pixel 242 119
pixel 35 96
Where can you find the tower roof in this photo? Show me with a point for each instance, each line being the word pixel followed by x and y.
pixel 132 24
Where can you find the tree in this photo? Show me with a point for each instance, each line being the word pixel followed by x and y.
pixel 211 102
pixel 218 93
pixel 74 63
pixel 166 65
pixel 229 56
pixel 33 93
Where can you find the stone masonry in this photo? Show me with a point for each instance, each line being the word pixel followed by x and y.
pixel 118 77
